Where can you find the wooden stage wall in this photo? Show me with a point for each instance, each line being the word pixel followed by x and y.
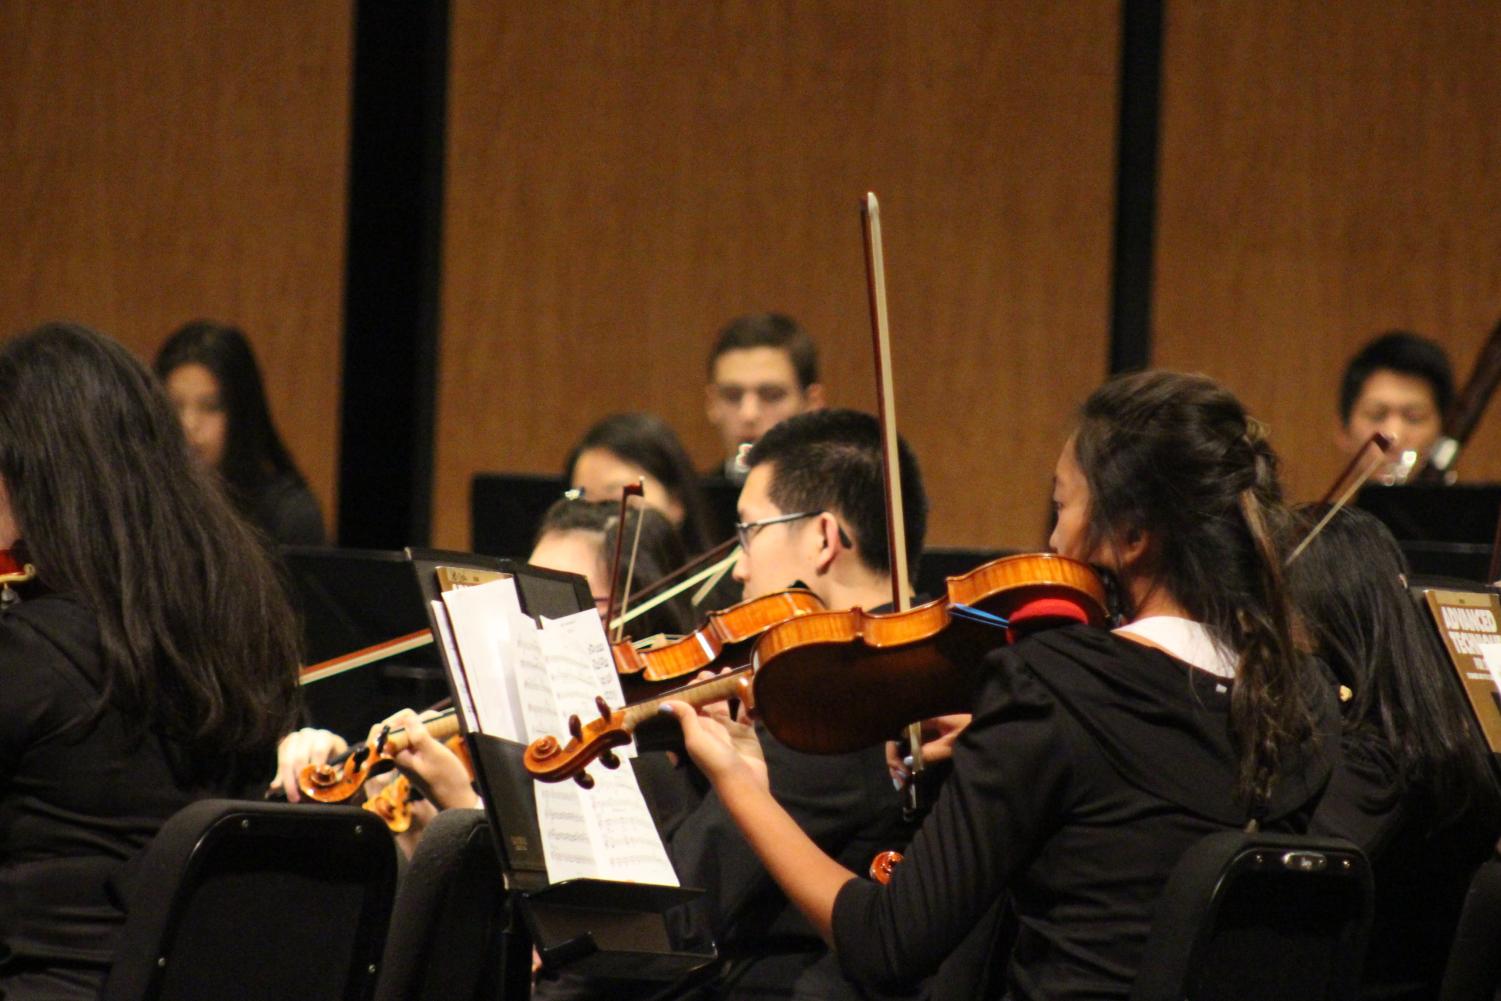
pixel 624 177
pixel 1329 171
pixel 166 161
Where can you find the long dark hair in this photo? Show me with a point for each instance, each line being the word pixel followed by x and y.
pixel 659 553
pixel 1177 457
pixel 647 441
pixel 198 639
pixel 1353 606
pixel 253 450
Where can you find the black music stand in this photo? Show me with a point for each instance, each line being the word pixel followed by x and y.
pixel 349 599
pixel 596 928
pixel 1443 530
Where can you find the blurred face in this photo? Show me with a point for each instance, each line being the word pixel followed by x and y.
pixel 9 531
pixel 1399 405
pixel 1071 504
pixel 601 475
pixel 580 553
pixel 195 394
pixel 753 389
pixel 775 556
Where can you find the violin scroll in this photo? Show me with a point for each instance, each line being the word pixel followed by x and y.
pixel 546 760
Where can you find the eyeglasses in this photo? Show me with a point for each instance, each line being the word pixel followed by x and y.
pixel 746 530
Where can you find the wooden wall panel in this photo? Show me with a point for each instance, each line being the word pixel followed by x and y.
pixel 167 160
pixel 1329 171
pixel 623 177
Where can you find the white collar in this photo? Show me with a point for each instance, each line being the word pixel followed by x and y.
pixel 1187 640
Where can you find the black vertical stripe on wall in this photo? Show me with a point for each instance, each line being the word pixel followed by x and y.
pixel 391 284
pixel 1136 185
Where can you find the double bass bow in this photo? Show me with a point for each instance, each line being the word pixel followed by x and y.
pixel 1464 414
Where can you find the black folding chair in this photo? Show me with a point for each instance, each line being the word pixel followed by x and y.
pixel 448 936
pixel 237 899
pixel 1260 917
pixel 1474 969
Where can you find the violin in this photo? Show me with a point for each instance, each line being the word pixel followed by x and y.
pixel 884 671
pixel 339 779
pixel 724 638
pixel 830 682
pixel 393 804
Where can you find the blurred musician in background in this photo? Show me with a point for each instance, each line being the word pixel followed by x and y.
pixel 578 536
pixel 763 369
pixel 1400 384
pixel 214 382
pixel 1415 789
pixel 622 448
pixel 152 662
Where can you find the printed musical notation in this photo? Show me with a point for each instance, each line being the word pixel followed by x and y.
pixel 525 680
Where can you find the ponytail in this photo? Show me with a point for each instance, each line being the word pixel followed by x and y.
pixel 1178 457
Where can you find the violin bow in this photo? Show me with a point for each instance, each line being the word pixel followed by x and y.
pixel 1383 445
pixel 711 574
pixel 896 522
pixel 628 491
pixel 372 654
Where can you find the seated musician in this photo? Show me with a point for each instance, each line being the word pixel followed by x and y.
pixel 762 370
pixel 213 380
pixel 578 536
pixel 1400 384
pixel 1094 758
pixel 151 663
pixel 623 448
pixel 575 536
pixel 812 512
pixel 1414 789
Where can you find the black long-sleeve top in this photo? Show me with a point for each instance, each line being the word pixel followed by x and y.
pixel 1422 867
pixel 80 795
pixel 1091 764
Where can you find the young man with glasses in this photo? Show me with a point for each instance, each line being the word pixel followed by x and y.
pixel 811 512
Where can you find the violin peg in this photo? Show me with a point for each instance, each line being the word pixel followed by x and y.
pixel 609 759
pixel 575 727
pixel 585 780
pixel 602 706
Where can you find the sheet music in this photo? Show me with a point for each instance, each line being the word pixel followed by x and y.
pixel 605 832
pixel 482 633
pixel 524 682
pixel 1490 653
pixel 467 713
pixel 579 667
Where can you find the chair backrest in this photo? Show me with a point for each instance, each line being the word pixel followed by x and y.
pixel 237 899
pixel 1474 969
pixel 447 936
pixel 1260 916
